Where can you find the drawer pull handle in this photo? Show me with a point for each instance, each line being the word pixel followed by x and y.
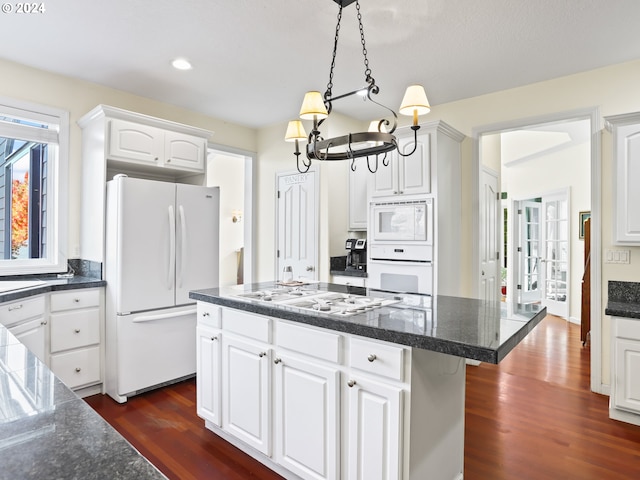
pixel 15 307
pixel 262 354
pixel 77 330
pixel 351 383
pixel 277 360
pixel 372 357
pixel 78 369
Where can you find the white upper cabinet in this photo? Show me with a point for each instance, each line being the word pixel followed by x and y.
pixel 358 201
pixel 144 144
pixel 626 161
pixel 405 175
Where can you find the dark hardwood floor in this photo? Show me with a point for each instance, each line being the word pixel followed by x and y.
pixel 531 417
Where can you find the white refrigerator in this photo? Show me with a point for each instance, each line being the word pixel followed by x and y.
pixel 161 242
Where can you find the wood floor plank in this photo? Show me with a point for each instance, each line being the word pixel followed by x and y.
pixel 531 417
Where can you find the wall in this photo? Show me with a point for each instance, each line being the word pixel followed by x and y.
pixel 78 97
pixel 227 172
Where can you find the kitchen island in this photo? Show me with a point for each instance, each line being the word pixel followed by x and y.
pixel 333 381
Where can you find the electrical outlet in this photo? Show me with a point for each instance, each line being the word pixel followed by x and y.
pixel 617 256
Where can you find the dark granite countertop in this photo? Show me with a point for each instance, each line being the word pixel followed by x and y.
pixel 464 327
pixel 49 283
pixel 46 431
pixel 624 299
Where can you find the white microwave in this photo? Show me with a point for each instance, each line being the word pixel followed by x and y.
pixel 402 221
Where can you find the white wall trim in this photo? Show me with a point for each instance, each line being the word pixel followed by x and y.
pixel 593 114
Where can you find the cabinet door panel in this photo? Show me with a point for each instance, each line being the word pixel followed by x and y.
pixel 134 142
pixel 627 381
pixel 32 334
pixel 627 215
pixel 246 401
pixel 385 180
pixel 374 430
pixel 415 170
pixel 358 200
pixel 306 422
pixel 184 151
pixel 208 372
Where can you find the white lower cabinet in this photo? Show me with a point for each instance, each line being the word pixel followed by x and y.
pixel 246 391
pixel 307 414
pixel 208 377
pixel 624 403
pixel 374 430
pixel 26 319
pixel 317 404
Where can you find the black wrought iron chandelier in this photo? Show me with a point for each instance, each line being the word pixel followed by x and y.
pixel 378 140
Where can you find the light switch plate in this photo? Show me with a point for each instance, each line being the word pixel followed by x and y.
pixel 617 256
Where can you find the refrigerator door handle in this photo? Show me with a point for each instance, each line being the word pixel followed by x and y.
pixel 172 248
pixel 162 316
pixel 183 244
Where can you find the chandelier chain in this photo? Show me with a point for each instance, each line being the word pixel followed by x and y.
pixel 367 70
pixel 327 94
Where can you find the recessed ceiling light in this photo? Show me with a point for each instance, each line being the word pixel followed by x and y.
pixel 181 64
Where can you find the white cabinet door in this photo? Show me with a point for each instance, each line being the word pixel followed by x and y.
pixel 358 201
pixel 385 180
pixel 627 377
pixel 627 178
pixel 374 430
pixel 414 170
pixel 32 334
pixel 208 373
pixel 306 423
pixel 184 151
pixel 246 402
pixel 134 142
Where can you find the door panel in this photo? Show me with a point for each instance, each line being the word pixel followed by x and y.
pixel 197 257
pixel 556 254
pixel 489 228
pixel 298 225
pixel 530 251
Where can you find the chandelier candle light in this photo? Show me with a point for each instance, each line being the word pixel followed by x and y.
pixel 378 140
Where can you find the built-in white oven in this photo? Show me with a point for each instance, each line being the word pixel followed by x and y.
pixel 401 245
pixel 402 221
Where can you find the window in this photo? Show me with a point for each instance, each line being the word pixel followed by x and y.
pixel 33 196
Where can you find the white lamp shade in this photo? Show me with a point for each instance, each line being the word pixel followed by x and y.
pixel 295 131
pixel 313 107
pixel 415 101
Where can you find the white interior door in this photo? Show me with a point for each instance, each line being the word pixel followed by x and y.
pixel 529 251
pixel 297 222
pixel 556 254
pixel 489 228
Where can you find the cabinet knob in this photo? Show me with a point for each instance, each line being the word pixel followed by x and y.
pixel 277 360
pixel 76 300
pixel 372 357
pixel 262 354
pixel 168 160
pixel 155 159
pixel 78 369
pixel 214 338
pixel 43 322
pixel 351 383
pixel 205 314
pixel 77 330
pixel 395 192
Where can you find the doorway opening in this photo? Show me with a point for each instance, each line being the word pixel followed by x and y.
pixel 233 171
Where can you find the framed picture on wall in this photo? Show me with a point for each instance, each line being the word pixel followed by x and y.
pixel 583 218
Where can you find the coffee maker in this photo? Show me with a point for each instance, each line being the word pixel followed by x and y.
pixel 356 254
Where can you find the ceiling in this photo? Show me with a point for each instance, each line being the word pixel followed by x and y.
pixel 253 60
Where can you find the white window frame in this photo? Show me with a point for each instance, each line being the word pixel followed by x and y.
pixel 57 181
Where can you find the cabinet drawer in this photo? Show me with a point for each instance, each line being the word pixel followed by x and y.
pixel 309 341
pixel 209 314
pixel 78 367
pixel 377 358
pixel 74 299
pixel 75 329
pixel 627 328
pixel 14 312
pixel 247 324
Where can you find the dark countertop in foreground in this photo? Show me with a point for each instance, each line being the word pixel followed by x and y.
pixel 46 431
pixel 475 329
pixel 624 299
pixel 51 283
